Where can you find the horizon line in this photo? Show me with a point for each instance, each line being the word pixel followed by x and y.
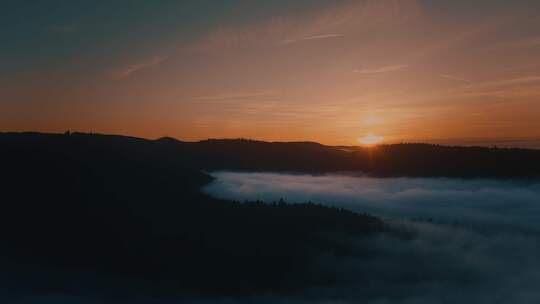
pixel 450 142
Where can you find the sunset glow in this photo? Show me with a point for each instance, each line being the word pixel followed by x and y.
pixel 371 120
pixel 371 139
pixel 322 71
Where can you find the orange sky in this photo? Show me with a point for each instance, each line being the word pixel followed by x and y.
pixel 403 70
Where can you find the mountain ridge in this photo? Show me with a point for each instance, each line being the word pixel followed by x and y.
pixel 396 160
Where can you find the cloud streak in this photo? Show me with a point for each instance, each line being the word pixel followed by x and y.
pixel 386 69
pixel 238 96
pixel 455 78
pixel 314 37
pixel 137 67
pixel 524 43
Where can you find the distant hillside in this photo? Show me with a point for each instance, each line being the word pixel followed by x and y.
pixel 412 160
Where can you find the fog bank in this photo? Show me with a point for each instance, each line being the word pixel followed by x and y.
pixel 481 247
pixel 513 204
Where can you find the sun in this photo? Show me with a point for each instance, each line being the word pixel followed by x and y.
pixel 371 140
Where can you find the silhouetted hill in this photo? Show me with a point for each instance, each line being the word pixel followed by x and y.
pixel 443 161
pixel 126 208
pixel 399 160
pixel 410 160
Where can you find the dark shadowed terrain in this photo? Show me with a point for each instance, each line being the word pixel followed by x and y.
pixel 119 219
pixel 126 208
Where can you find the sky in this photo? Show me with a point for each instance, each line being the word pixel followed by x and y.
pixel 451 72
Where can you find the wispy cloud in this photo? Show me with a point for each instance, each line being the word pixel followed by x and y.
pixel 237 96
pixel 456 78
pixel 314 37
pixel 492 94
pixel 385 69
pixel 134 68
pixel 522 81
pixel 524 43
pixel 337 20
pixel 512 89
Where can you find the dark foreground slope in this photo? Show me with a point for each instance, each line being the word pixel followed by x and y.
pixel 125 209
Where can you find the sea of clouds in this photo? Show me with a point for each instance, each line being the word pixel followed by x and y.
pixel 478 202
pixel 482 245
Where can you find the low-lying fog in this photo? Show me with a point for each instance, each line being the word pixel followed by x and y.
pixel 482 246
pixel 510 203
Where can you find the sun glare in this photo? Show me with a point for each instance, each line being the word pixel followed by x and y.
pixel 371 140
